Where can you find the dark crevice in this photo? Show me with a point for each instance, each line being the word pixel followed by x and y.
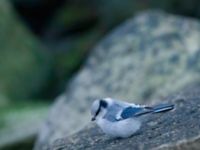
pixel 37 16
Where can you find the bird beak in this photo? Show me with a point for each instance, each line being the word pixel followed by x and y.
pixel 93 119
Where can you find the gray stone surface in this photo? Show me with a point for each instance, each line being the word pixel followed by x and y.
pixel 143 60
pixel 177 129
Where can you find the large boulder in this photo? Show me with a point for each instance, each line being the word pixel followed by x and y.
pixel 148 57
pixel 23 61
pixel 175 130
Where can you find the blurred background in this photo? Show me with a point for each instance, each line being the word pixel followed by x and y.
pixel 43 43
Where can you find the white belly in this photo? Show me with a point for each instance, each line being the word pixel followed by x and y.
pixel 124 128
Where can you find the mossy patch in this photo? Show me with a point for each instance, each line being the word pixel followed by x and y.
pixel 24 65
pixel 20 121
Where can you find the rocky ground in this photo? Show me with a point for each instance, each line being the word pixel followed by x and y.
pixel 175 130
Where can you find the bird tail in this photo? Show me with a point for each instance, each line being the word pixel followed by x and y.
pixel 162 108
pixel 155 109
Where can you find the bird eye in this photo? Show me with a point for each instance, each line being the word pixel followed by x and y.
pixel 97 106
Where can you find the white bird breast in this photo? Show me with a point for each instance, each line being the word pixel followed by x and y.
pixel 124 128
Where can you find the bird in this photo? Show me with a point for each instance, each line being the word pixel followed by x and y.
pixel 119 119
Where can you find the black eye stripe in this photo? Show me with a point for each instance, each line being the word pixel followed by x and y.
pixel 103 103
pixel 98 110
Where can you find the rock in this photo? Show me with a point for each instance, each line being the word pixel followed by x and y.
pixel 143 60
pixel 19 125
pixel 24 63
pixel 175 130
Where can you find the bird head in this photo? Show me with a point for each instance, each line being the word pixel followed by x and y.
pixel 99 106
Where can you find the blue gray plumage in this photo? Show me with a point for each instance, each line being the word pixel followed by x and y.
pixel 139 111
pixel 131 111
pixel 112 111
pixel 121 119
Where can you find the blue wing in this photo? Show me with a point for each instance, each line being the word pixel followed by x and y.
pixel 138 111
pixel 112 111
pixel 126 112
pixel 134 112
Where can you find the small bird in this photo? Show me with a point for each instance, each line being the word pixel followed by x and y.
pixel 120 119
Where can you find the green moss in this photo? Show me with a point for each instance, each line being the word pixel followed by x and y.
pixel 22 110
pixel 19 123
pixel 24 64
pixel 67 62
pixel 70 14
pixel 28 144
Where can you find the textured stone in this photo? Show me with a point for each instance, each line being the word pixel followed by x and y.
pixel 143 60
pixel 175 130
